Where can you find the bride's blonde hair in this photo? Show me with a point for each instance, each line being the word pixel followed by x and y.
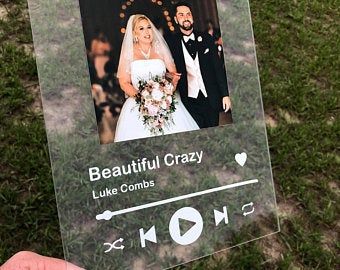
pixel 138 18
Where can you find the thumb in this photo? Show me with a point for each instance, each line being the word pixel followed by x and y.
pixel 32 261
pixel 58 264
pixel 224 105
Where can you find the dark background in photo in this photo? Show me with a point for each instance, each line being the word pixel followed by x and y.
pixel 104 25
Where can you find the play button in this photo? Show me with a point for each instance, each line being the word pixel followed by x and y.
pixel 186 226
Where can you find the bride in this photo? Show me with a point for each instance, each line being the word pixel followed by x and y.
pixel 145 53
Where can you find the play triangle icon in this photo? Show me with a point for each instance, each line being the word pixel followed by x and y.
pixel 185 225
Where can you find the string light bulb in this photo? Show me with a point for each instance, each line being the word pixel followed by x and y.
pixel 166 13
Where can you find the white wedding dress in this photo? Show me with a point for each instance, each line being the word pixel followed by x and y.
pixel 130 124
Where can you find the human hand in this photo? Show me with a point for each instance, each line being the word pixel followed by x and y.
pixel 26 260
pixel 219 41
pixel 226 103
pixel 175 78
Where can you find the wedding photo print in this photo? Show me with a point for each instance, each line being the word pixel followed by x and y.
pixel 156 67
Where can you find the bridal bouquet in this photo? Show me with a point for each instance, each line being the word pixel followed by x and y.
pixel 156 103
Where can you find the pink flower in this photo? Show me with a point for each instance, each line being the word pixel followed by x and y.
pixel 169 99
pixel 153 110
pixel 148 102
pixel 158 123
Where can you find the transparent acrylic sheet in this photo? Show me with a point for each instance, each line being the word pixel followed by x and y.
pixel 240 199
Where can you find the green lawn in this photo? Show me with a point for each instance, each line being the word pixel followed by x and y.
pixel 298 52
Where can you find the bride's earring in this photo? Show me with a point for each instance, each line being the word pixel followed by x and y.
pixel 135 39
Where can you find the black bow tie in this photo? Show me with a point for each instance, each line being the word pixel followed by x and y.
pixel 191 37
pixel 191 46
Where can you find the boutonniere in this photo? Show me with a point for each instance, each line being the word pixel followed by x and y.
pixel 199 39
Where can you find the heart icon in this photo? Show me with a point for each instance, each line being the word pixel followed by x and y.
pixel 241 158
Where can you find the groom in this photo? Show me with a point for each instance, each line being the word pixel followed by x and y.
pixel 203 84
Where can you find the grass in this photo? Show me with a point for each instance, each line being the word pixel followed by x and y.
pixel 298 54
pixel 25 173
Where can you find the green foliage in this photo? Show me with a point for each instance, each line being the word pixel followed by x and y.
pixel 28 209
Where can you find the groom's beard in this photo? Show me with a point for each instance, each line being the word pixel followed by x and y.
pixel 189 27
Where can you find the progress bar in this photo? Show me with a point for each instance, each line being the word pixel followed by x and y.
pixel 107 215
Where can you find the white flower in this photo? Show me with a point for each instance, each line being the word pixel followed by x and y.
pixel 199 39
pixel 145 93
pixel 169 99
pixel 157 95
pixel 164 105
pixel 155 85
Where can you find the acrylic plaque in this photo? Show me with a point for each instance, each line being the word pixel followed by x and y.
pixel 155 128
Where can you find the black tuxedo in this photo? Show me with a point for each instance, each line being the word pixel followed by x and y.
pixel 213 75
